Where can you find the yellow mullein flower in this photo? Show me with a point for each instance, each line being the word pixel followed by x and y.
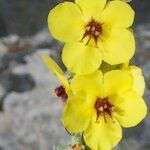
pixel 64 90
pixel 93 30
pixel 101 104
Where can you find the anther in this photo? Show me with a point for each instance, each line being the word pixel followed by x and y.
pixel 101 109
pixel 105 106
pixel 93 28
pixel 88 28
pixel 60 92
pixel 97 33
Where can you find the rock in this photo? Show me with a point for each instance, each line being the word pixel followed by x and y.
pixel 24 82
pixel 13 48
pixel 5 129
pixel 142 11
pixel 3 49
pixel 2 91
pixel 2 96
pixel 146 70
pixel 142 54
pixel 34 15
pixel 35 113
pixel 129 144
pixel 42 39
pixel 11 39
pixel 13 43
pixel 25 17
pixel 3 31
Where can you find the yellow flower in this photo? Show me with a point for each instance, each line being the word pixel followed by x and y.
pixel 101 105
pixel 93 30
pixel 64 90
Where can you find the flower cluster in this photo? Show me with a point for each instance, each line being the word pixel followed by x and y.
pixel 103 91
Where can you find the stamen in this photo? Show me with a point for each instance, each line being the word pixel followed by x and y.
pixel 60 92
pixel 88 28
pixel 68 132
pixel 88 41
pixel 103 107
pixel 104 117
pixel 93 30
pixel 97 33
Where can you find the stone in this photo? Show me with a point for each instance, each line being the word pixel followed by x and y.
pixel 18 83
pixel 5 129
pixel 34 15
pixel 13 43
pixel 25 17
pixel 3 49
pixel 42 39
pixel 36 113
pixel 2 91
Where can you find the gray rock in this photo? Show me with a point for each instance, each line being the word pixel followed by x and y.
pixel 6 122
pixel 42 39
pixel 2 91
pixel 3 49
pixel 142 54
pixel 36 114
pixel 9 82
pixel 14 43
pixel 26 17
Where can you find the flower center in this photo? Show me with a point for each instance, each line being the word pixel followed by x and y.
pixel 60 92
pixel 103 107
pixel 93 30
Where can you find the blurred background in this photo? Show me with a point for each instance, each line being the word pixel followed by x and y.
pixel 29 111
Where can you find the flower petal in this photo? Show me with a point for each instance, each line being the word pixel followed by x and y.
pixel 81 59
pixel 130 108
pixel 91 83
pixel 138 79
pixel 119 46
pixel 65 22
pixel 91 8
pixel 118 13
pixel 116 81
pixel 55 69
pixel 103 135
pixel 77 113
